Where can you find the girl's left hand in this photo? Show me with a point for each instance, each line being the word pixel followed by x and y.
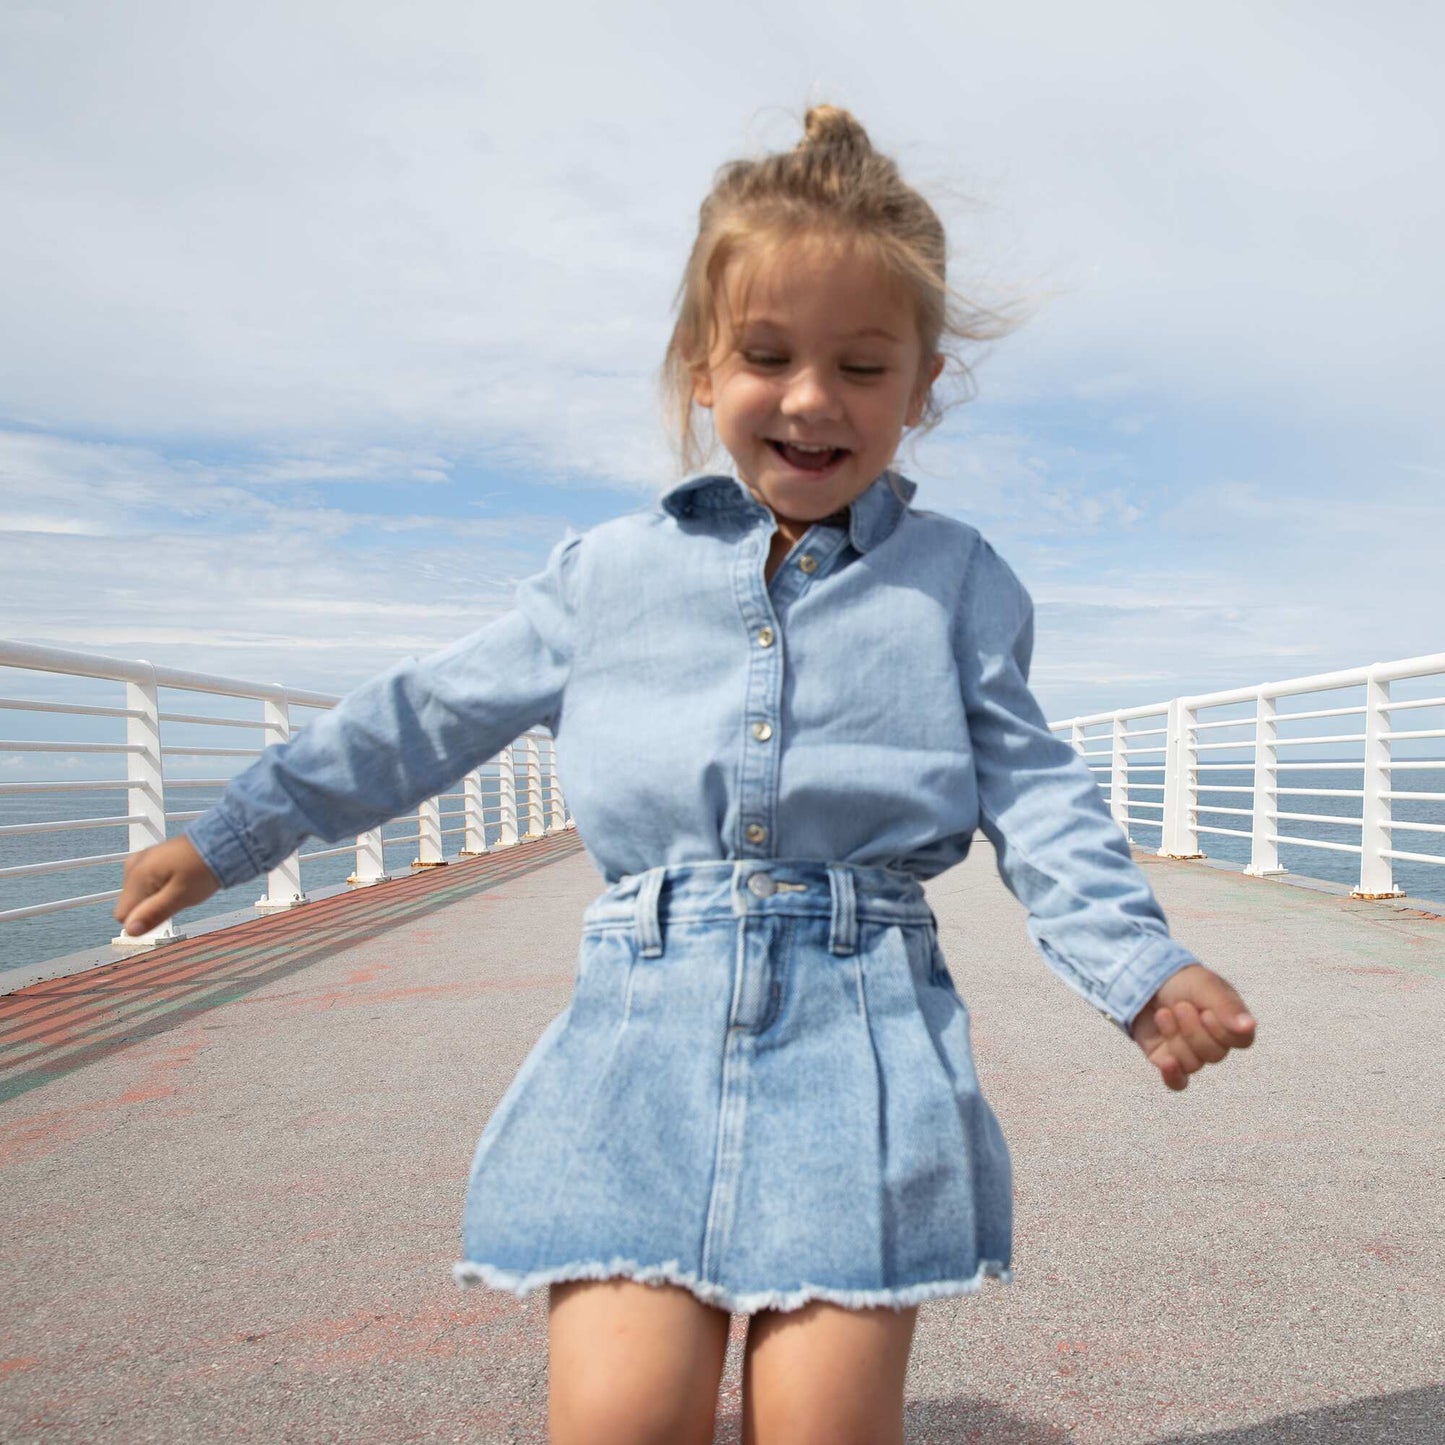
pixel 1194 1019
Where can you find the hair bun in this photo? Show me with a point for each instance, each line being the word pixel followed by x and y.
pixel 831 127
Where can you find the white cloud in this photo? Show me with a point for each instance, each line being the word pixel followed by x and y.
pixel 270 270
pixel 468 226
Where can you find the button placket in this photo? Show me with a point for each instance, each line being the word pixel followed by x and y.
pixel 758 775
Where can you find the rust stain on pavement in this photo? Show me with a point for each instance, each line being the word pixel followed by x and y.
pixel 33 1136
pixel 52 1028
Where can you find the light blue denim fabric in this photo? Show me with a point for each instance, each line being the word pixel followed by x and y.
pixel 868 706
pixel 763 1090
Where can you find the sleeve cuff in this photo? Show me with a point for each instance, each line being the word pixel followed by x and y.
pixel 224 849
pixel 1139 979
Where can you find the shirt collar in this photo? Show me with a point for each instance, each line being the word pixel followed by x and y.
pixel 872 517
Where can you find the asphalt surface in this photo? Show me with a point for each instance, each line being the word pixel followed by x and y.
pixel 231 1174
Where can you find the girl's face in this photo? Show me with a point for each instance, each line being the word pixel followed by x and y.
pixel 812 388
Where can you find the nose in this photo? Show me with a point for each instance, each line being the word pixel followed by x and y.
pixel 809 394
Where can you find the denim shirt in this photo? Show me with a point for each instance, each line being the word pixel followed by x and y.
pixel 868 705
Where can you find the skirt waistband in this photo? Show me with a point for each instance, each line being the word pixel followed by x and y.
pixel 845 893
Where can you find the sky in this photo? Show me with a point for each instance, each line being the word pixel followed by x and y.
pixel 321 324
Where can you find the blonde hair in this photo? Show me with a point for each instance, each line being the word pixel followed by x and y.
pixel 835 186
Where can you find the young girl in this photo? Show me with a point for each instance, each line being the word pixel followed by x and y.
pixel 781 699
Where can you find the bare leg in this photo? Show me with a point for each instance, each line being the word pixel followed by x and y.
pixel 824 1375
pixel 632 1364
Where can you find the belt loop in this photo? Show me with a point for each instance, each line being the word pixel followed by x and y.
pixel 843 932
pixel 649 931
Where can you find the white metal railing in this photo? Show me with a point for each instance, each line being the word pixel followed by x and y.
pixel 526 767
pixel 1179 727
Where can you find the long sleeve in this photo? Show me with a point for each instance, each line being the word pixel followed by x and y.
pixel 1092 914
pixel 402 737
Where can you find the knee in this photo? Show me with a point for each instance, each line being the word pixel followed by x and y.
pixel 598 1408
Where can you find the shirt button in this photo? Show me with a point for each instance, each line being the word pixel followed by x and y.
pixel 808 563
pixel 765 637
pixel 761 885
pixel 762 731
pixel 755 832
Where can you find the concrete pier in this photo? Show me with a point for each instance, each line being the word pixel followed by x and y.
pixel 231 1174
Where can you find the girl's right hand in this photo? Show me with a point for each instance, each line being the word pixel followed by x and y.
pixel 160 881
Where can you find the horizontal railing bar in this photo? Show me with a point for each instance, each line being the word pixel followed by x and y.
pixel 1330 738
pixel 1412 857
pixel 92 664
pixel 1417 827
pixel 327 852
pixel 61 865
pixel 1421 765
pixel 34 910
pixel 1228 832
pixel 114 821
pixel 1315 843
pixel 1324 792
pixel 21 704
pixel 1141 803
pixel 1205 808
pixel 185 817
pixel 1412 702
pixel 1226 788
pixel 167 751
pixel 197 782
pixel 220 722
pixel 1354 711
pixel 104 784
pixel 1421 733
pixel 18 745
pixel 1408 667
pixel 1324 818
pixel 1414 797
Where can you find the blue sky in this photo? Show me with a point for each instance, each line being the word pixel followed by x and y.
pixel 320 325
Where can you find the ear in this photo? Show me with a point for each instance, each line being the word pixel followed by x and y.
pixel 702 386
pixel 927 376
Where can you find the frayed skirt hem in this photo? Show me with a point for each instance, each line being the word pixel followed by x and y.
pixel 470 1272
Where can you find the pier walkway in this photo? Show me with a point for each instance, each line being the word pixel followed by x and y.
pixel 231 1175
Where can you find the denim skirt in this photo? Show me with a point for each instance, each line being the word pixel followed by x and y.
pixel 762 1091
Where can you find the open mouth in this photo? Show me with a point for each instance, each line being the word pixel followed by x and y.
pixel 809 459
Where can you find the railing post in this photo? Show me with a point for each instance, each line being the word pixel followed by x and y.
pixel 1180 831
pixel 1377 879
pixel 283 882
pixel 370 861
pixel 1119 776
pixel 532 768
pixel 1263 850
pixel 474 818
pixel 557 809
pixel 429 835
pixel 507 797
pixel 145 793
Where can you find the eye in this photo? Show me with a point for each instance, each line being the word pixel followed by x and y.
pixel 763 358
pixel 865 370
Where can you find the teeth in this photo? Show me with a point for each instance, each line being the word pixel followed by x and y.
pixel 799 447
